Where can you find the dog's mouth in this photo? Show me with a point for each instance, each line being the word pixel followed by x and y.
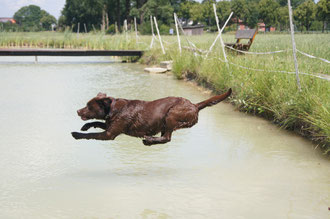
pixel 82 115
pixel 84 118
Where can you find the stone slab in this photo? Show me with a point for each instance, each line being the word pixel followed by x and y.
pixel 156 70
pixel 166 64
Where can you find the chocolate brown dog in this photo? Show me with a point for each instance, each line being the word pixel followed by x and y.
pixel 139 118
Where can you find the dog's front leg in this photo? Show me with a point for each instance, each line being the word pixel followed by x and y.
pixel 87 126
pixel 106 135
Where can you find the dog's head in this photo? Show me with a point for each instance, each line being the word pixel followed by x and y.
pixel 96 108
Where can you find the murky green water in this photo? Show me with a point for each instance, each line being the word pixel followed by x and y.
pixel 229 165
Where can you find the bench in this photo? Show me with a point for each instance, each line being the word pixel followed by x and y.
pixel 243 34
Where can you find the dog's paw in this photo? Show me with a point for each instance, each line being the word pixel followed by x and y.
pixel 76 135
pixel 85 127
pixel 146 142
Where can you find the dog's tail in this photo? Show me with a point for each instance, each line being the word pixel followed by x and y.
pixel 213 100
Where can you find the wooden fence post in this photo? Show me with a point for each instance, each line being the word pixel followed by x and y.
pixel 152 32
pixel 177 32
pixel 136 34
pixel 116 28
pixel 78 30
pixel 107 20
pixel 160 39
pixel 125 26
pixel 85 28
pixel 219 35
pixel 294 46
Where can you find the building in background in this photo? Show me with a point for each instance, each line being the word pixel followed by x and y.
pixel 7 19
pixel 262 28
pixel 193 30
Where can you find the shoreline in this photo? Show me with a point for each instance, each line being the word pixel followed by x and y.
pixel 195 78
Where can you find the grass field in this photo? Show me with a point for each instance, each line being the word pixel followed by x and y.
pixel 273 95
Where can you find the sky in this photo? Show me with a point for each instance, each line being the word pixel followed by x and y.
pixel 9 7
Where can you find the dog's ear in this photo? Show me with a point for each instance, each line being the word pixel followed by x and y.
pixel 101 95
pixel 105 104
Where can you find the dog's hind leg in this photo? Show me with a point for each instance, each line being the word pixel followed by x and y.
pixel 175 119
pixel 166 137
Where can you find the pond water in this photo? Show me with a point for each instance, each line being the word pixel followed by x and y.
pixel 229 165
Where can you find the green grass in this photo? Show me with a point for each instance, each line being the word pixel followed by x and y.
pixel 272 95
pixel 66 40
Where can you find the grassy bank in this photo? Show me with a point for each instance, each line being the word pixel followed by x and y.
pixel 273 95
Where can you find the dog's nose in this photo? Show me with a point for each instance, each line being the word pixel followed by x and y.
pixel 78 112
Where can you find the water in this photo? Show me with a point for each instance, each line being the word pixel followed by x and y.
pixel 229 165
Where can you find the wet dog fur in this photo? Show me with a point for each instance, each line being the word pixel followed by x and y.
pixel 143 119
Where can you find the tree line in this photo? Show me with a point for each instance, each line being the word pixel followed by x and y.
pixel 109 15
pixel 307 14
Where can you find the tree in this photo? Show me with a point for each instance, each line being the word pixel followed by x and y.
pixel 208 12
pixel 223 11
pixel 93 12
pixel 127 8
pixel 283 17
pixel 240 9
pixel 305 14
pixel 252 17
pixel 294 3
pixel 61 22
pixel 196 13
pixel 161 9
pixel 87 12
pixel 323 12
pixel 176 4
pixel 9 26
pixel 32 18
pixel 185 9
pixel 118 14
pixel 47 20
pixel 268 12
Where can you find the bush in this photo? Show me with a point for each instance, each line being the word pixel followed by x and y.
pixel 316 26
pixel 145 28
pixel 111 29
pixel 164 29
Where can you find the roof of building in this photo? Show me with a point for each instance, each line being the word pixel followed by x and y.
pixel 193 27
pixel 7 19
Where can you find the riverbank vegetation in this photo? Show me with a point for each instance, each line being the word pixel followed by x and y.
pixel 260 87
pixel 263 85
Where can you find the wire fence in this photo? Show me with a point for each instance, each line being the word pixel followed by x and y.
pixel 204 54
pixel 257 53
pixel 313 57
